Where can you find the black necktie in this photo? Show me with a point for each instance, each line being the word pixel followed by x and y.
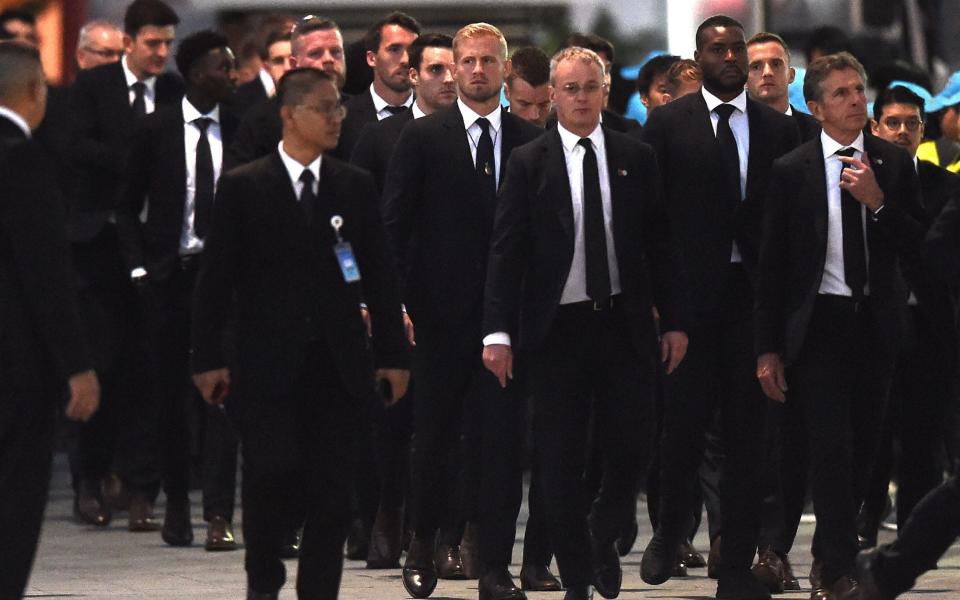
pixel 854 249
pixel 203 197
pixel 594 233
pixel 308 199
pixel 394 110
pixel 485 163
pixel 139 106
pixel 728 152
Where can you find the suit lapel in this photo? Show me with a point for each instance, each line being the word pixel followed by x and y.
pixel 511 139
pixel 459 150
pixel 558 183
pixel 119 96
pixel 817 169
pixel 617 172
pixel 293 216
pixel 758 145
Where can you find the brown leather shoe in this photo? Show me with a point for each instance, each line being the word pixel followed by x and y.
pixel 219 536
pixel 713 559
pixel 692 558
pixel 470 552
pixel 769 570
pixel 88 506
pixel 141 515
pixel 816 571
pixel 538 578
pixel 844 588
pixel 790 581
pixel 871 588
pixel 448 562
pixel 384 552
pixel 115 495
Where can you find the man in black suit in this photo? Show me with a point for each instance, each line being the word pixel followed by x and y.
pixel 294 236
pixel 715 211
pixel 105 103
pixel 769 79
pixel 439 200
pixel 605 49
pixel 276 59
pixel 527 88
pixel 386 44
pixel 42 344
pixel 314 42
pixel 841 212
pixel 580 237
pixel 176 157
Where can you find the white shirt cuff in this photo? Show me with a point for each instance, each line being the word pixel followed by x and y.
pixel 500 337
pixel 138 272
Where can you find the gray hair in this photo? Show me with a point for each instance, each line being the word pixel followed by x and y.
pixel 584 55
pixel 88 28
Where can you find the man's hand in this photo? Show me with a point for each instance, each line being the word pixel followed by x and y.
pixel 399 380
pixel 770 374
pixel 213 385
pixel 84 395
pixel 408 327
pixel 498 359
pixel 365 315
pixel 859 179
pixel 673 347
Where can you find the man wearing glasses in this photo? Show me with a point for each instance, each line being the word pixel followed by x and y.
pixel 100 43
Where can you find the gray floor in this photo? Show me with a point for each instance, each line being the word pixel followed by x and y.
pixel 75 561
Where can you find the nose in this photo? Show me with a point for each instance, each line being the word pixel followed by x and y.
pixel 405 59
pixel 163 50
pixel 767 70
pixel 448 75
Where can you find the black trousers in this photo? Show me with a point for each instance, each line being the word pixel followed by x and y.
pixel 167 305
pixel 296 461
pixel 933 526
pixel 26 445
pixel 460 410
pixel 717 373
pixel 840 381
pixel 588 362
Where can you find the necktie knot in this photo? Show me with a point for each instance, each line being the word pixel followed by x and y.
pixel 395 110
pixel 585 142
pixel 306 177
pixel 848 152
pixel 484 125
pixel 203 123
pixel 139 87
pixel 724 111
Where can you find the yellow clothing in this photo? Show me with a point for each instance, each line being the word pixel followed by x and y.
pixel 928 152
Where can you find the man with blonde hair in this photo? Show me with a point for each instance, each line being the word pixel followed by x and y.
pixel 439 198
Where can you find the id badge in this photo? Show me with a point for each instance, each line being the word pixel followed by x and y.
pixel 347 262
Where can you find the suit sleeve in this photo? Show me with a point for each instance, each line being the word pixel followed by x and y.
pixel 902 217
pixel 402 191
pixel 133 194
pixel 942 247
pixel 246 140
pixel 32 215
pixel 87 149
pixel 768 314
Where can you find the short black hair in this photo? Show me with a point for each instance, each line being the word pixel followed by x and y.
pixel 427 40
pixel 13 14
pixel 896 95
pixel 715 21
pixel 828 40
pixel 195 46
pixel 530 64
pixel 590 41
pixel 297 83
pixel 653 68
pixel 277 35
pixel 143 13
pixel 374 35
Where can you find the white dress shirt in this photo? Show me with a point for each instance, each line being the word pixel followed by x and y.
pixel 417 113
pixel 740 125
pixel 380 105
pixel 474 132
pixel 295 170
pixel 17 120
pixel 833 281
pixel 267 82
pixel 149 94
pixel 189 242
pixel 575 288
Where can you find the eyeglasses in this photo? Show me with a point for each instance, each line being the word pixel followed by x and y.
pixel 335 111
pixel 109 54
pixel 894 123
pixel 574 89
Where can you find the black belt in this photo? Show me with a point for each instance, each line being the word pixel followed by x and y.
pixel 593 305
pixel 844 302
pixel 190 262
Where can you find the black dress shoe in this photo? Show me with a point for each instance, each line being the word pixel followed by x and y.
pixel 448 563
pixel 220 536
pixel 496 584
pixel 384 552
pixel 607 574
pixel 866 576
pixel 740 585
pixel 538 578
pixel 252 595
pixel 89 507
pixel 177 529
pixel 769 570
pixel 713 559
pixel 291 545
pixel 692 558
pixel 141 515
pixel 358 540
pixel 627 539
pixel 470 552
pixel 659 558
pixel 790 581
pixel 579 592
pixel 419 574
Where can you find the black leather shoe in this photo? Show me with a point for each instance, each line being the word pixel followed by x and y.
pixel 384 552
pixel 627 539
pixel 790 581
pixel 496 584
pixel 177 529
pixel 291 545
pixel 579 592
pixel 607 574
pixel 713 559
pixel 769 570
pixel 220 536
pixel 252 595
pixel 659 558
pixel 448 563
pixel 419 574
pixel 538 578
pixel 141 514
pixel 739 584
pixel 89 507
pixel 864 542
pixel 866 576
pixel 358 540
pixel 692 558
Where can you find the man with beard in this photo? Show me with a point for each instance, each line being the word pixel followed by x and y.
pixel 715 149
pixel 439 199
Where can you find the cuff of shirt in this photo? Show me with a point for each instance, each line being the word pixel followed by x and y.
pixel 137 273
pixel 500 337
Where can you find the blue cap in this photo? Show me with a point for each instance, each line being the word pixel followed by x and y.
pixel 795 91
pixel 949 96
pixel 916 89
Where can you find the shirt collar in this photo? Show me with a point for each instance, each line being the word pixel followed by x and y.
pixel 379 103
pixel 17 120
pixel 191 114
pixel 417 113
pixel 830 145
pixel 789 111
pixel 740 102
pixel 570 139
pixel 131 79
pixel 295 169
pixel 267 82
pixel 470 117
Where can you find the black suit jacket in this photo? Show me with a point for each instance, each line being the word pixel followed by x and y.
pixel 795 245
pixel 260 130
pixel 439 221
pixel 942 247
pixel 157 176
pixel 533 239
pixel 288 283
pixel 40 337
pixel 102 122
pixel 808 127
pixel 247 96
pixel 690 164
pixel 377 141
pixel 360 113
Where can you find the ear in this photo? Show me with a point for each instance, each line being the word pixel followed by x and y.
pixel 127 43
pixel 874 127
pixel 507 68
pixel 696 56
pixel 792 74
pixel 371 59
pixel 667 97
pixel 553 95
pixel 814 107
pixel 414 76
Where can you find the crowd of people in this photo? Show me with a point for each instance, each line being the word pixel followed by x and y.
pixel 379 296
